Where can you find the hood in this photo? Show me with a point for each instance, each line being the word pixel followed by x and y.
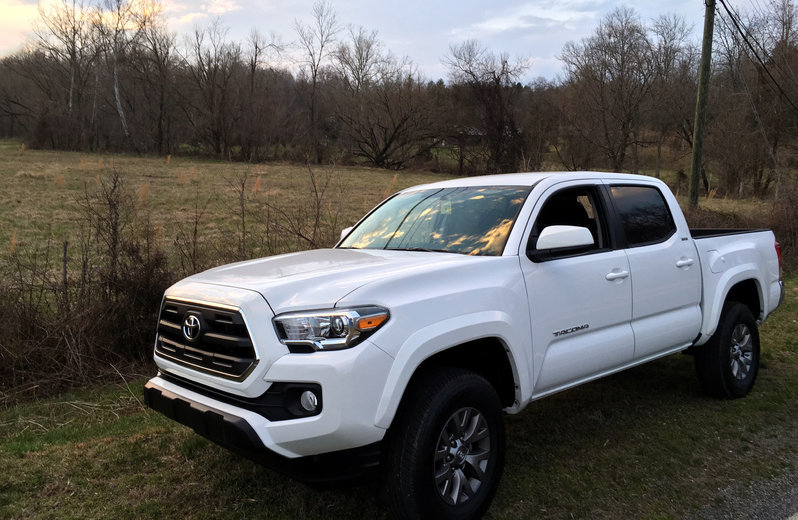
pixel 318 279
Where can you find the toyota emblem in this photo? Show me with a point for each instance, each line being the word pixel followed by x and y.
pixel 191 327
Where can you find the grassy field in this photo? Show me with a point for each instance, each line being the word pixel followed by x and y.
pixel 642 444
pixel 42 190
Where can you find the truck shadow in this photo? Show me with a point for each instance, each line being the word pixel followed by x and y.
pixel 601 450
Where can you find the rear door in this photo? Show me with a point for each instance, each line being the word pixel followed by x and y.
pixel 665 270
pixel 580 301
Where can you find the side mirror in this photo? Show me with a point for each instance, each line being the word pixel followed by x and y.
pixel 345 232
pixel 560 237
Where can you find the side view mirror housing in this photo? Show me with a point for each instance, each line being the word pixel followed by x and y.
pixel 560 237
pixel 345 232
pixel 560 241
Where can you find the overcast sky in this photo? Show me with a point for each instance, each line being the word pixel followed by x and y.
pixel 419 29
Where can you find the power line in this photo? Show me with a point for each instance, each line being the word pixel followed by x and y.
pixel 736 20
pixel 754 110
pixel 764 17
pixel 748 43
pixel 783 67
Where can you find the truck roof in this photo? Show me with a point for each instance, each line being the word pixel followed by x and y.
pixel 523 179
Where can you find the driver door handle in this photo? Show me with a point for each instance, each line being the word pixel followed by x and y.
pixel 617 274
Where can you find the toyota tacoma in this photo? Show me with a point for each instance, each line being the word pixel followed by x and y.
pixel 447 306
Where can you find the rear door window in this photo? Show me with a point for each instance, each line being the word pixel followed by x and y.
pixel 644 214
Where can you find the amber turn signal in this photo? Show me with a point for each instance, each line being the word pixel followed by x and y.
pixel 371 322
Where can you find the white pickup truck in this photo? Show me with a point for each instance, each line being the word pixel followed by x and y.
pixel 448 305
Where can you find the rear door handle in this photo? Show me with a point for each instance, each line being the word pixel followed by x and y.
pixel 617 274
pixel 684 262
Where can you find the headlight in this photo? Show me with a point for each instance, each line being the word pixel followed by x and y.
pixel 332 329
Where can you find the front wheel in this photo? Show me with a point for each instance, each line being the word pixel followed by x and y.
pixel 728 363
pixel 445 451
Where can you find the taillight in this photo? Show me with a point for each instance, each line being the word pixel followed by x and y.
pixel 778 253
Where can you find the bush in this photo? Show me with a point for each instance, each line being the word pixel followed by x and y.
pixel 76 313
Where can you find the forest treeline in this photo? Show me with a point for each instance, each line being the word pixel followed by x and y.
pixel 110 76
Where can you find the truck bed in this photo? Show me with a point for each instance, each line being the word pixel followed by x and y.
pixel 730 256
pixel 699 233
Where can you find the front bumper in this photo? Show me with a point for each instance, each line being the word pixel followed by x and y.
pixel 350 384
pixel 235 433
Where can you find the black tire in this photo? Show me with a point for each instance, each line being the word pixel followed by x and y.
pixel 728 363
pixel 428 439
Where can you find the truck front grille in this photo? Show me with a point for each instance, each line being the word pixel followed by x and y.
pixel 209 339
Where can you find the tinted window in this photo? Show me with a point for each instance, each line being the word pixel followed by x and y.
pixel 644 214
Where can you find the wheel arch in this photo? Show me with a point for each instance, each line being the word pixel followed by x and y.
pixel 749 294
pixel 488 357
pixel 741 286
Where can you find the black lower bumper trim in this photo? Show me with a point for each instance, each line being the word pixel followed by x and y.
pixel 236 434
pixel 279 403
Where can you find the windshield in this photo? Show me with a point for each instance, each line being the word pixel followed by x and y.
pixel 467 220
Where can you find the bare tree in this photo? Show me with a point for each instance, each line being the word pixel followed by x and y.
pixel 65 33
pixel 395 122
pixel 361 60
pixel 316 41
pixel 212 63
pixel 14 109
pixel 671 103
pixel 382 102
pixel 119 28
pixel 610 73
pixel 153 63
pixel 758 92
pixel 254 96
pixel 491 81
pixel 538 122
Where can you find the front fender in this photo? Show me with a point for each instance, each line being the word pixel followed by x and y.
pixel 440 336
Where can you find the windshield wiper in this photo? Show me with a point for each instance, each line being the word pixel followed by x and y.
pixel 426 250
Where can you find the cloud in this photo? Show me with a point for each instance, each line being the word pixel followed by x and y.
pixel 538 15
pixel 544 67
pixel 190 19
pixel 16 20
pixel 188 13
pixel 219 7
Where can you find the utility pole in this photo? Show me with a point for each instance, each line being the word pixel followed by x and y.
pixel 701 103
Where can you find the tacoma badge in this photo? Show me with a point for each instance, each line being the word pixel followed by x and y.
pixel 563 332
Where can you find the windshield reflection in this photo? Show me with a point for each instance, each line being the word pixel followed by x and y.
pixel 466 220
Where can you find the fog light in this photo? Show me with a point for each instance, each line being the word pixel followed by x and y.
pixel 309 401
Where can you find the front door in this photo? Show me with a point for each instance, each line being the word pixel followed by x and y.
pixel 580 302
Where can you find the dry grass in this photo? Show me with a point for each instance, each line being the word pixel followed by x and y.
pixel 41 188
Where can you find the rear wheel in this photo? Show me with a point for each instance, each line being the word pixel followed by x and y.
pixel 445 451
pixel 727 365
